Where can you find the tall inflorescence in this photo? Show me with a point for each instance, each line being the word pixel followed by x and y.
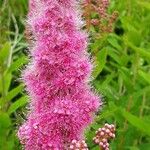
pixel 57 79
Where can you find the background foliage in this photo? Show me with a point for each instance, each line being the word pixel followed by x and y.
pixel 121 75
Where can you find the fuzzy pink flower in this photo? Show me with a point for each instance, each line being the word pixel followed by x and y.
pixel 57 78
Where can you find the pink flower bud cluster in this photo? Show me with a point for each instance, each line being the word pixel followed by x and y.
pixel 103 135
pixel 95 22
pixel 57 79
pixel 78 145
pixel 102 9
pixel 104 20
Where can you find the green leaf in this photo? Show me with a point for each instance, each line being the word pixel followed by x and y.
pixel 144 53
pixel 5 121
pixel 145 146
pixel 11 94
pixel 114 55
pixel 136 122
pixel 124 74
pixel 145 76
pixel 17 104
pixel 4 52
pixel 18 63
pixel 106 114
pixel 5 124
pixel 14 92
pixel 133 148
pixel 7 79
pixel 144 4
pixel 100 62
pixel 96 147
pixel 134 36
pixel 114 42
pixel 108 79
pixel 5 82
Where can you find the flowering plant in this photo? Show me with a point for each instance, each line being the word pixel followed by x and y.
pixel 57 78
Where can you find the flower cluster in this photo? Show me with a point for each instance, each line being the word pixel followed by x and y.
pixel 103 20
pixel 78 145
pixel 57 78
pixel 103 135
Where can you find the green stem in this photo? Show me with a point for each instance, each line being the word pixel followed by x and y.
pixel 3 90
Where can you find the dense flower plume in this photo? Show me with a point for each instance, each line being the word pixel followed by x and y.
pixel 57 78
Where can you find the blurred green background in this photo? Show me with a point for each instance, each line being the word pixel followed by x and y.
pixel 121 75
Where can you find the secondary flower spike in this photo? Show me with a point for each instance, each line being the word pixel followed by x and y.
pixel 57 79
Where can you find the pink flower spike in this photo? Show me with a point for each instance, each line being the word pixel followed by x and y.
pixel 57 78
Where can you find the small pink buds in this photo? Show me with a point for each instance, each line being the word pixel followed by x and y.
pixel 29 35
pixel 95 22
pixel 78 145
pixel 103 135
pixel 104 20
